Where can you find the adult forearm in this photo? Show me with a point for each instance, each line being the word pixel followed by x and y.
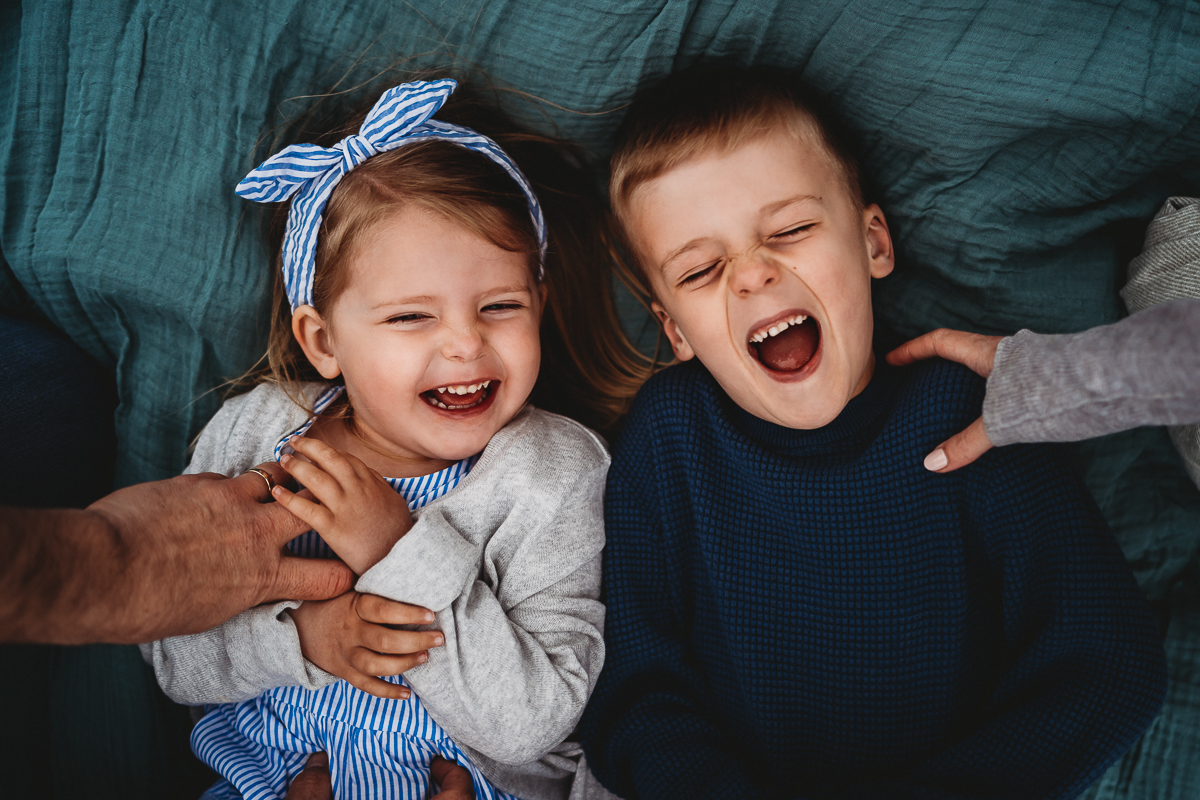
pixel 153 560
pixel 57 576
pixel 1143 370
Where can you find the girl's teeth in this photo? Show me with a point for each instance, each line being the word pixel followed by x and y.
pixel 464 389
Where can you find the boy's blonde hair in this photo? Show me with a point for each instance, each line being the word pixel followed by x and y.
pixel 716 110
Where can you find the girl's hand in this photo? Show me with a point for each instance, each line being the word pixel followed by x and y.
pixel 454 782
pixel 358 514
pixel 348 637
pixel 974 351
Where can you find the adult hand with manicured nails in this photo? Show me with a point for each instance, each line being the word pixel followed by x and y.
pixel 153 560
pixel 974 351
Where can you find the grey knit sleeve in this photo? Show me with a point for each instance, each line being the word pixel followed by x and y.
pixel 1168 269
pixel 258 649
pixel 1143 370
pixel 510 562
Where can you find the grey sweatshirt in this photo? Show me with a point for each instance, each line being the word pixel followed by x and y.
pixel 510 563
pixel 1143 370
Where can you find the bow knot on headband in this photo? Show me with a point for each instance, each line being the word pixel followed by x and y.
pixel 355 150
pixel 308 173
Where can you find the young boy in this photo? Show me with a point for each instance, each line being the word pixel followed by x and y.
pixel 797 607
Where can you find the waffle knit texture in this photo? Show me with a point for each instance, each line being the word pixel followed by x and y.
pixel 813 614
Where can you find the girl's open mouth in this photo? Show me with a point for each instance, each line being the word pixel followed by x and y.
pixel 461 397
pixel 786 345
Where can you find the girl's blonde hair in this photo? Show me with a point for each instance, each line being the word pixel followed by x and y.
pixel 590 371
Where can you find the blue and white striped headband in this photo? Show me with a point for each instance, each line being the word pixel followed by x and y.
pixel 310 172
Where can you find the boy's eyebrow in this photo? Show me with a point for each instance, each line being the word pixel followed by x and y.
pixel 768 209
pixel 771 208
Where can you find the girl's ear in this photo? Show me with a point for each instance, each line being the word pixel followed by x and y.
pixel 312 332
pixel 879 242
pixel 683 350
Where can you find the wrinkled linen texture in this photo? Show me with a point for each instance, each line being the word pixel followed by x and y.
pixel 1018 149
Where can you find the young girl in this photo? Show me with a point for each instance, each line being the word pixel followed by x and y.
pixel 417 272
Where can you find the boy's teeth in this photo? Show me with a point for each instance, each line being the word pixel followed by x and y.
pixel 777 328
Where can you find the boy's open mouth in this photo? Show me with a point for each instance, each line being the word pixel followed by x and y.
pixel 460 396
pixel 786 345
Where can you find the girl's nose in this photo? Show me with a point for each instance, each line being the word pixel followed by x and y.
pixel 751 274
pixel 463 343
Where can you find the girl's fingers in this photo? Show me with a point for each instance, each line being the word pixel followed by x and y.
pixel 399 643
pixel 315 516
pixel 380 610
pixel 324 486
pixel 379 687
pixel 338 464
pixel 369 662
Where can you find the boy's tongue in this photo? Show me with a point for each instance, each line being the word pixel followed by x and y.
pixel 791 349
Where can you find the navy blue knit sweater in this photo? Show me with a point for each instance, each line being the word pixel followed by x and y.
pixel 811 614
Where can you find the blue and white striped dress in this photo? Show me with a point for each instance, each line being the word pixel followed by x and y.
pixel 378 749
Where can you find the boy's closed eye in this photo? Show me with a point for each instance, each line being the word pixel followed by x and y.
pixel 793 232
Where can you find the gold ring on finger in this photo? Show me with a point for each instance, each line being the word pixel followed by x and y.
pixel 263 474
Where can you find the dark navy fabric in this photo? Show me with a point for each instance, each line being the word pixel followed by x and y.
pixel 60 441
pixel 74 719
pixel 813 614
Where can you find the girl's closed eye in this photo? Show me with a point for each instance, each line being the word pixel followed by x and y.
pixel 699 275
pixel 506 305
pixel 408 318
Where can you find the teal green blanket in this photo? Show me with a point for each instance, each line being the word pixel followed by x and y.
pixel 1017 148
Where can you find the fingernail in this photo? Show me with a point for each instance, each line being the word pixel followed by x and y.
pixel 439 640
pixel 422 658
pixel 429 616
pixel 936 460
pixel 405 694
pixel 285 459
pixel 277 491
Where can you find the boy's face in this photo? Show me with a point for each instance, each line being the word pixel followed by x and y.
pixel 765 238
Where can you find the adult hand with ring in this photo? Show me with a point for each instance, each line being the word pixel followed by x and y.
pixel 157 559
pixel 266 477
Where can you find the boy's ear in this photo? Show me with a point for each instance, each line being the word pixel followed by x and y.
pixel 312 332
pixel 683 350
pixel 879 242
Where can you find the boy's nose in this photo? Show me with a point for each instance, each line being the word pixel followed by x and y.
pixel 751 274
pixel 463 343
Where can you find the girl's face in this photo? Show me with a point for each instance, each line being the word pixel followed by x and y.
pixel 436 336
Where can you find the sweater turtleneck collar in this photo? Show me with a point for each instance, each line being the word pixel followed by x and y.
pixel 851 430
